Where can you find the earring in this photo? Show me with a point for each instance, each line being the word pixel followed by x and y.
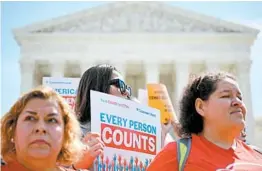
pixel 12 140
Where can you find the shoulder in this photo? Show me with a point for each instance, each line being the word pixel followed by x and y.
pixel 257 149
pixel 166 159
pixel 250 148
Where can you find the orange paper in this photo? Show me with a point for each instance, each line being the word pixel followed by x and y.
pixel 158 98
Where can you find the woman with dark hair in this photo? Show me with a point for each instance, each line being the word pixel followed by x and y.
pixel 102 78
pixel 212 115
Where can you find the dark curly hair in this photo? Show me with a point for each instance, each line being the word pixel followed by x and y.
pixel 202 87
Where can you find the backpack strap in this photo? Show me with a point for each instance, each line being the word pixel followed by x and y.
pixel 257 149
pixel 183 149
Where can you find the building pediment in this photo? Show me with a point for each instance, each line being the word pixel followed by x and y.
pixel 138 17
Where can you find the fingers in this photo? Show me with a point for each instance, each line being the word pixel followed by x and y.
pixel 95 145
pixel 94 141
pixel 88 136
pixel 97 153
pixel 95 150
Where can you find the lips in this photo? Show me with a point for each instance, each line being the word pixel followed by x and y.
pixel 39 141
pixel 238 111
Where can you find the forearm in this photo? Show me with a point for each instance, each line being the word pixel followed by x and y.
pixel 163 138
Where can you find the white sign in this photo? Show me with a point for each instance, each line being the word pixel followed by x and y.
pixel 131 132
pixel 66 87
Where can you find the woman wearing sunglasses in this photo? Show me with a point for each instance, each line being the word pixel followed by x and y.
pixel 102 78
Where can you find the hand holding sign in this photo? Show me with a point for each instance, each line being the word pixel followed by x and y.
pixel 158 98
pixel 95 144
pixel 94 147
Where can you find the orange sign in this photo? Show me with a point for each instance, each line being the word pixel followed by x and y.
pixel 158 98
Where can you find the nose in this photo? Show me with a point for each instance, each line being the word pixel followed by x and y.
pixel 236 102
pixel 126 93
pixel 40 127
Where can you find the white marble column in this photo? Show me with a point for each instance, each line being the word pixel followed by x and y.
pixel 85 65
pixel 121 67
pixel 27 69
pixel 152 72
pixel 57 68
pixel 182 78
pixel 243 79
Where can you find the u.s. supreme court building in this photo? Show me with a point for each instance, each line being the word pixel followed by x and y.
pixel 148 42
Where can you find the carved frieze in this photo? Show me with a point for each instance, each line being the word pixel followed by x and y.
pixel 134 19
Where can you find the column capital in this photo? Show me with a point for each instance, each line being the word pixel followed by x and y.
pixel 149 66
pixel 181 63
pixel 57 62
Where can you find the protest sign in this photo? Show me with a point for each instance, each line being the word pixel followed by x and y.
pixel 66 87
pixel 130 131
pixel 158 98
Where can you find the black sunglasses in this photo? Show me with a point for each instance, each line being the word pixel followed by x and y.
pixel 121 85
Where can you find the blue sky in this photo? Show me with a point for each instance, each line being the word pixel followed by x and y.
pixel 19 14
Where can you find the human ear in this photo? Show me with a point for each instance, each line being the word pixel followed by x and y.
pixel 199 105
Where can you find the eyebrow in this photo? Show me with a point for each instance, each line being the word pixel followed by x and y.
pixel 35 113
pixel 225 91
pixel 229 91
pixel 31 112
pixel 52 114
